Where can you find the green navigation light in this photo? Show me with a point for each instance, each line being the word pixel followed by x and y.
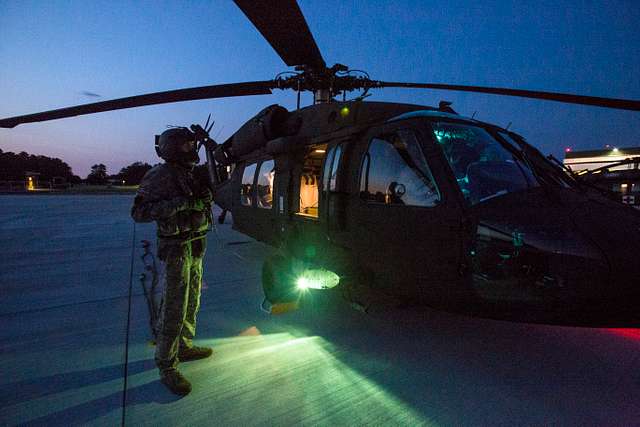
pixel 344 112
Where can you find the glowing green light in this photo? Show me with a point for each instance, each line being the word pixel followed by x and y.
pixel 344 112
pixel 302 283
pixel 317 279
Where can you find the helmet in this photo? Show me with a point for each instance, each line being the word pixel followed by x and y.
pixel 178 145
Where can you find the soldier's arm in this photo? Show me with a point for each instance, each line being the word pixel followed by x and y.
pixel 146 210
pixel 152 201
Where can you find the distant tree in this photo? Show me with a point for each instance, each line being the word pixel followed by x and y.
pixel 13 166
pixel 98 175
pixel 132 174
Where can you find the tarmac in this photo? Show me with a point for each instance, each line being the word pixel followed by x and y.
pixel 65 269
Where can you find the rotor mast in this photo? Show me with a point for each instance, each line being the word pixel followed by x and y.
pixel 322 96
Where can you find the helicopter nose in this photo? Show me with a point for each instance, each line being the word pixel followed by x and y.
pixel 615 229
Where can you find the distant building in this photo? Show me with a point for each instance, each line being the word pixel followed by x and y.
pixel 115 181
pixel 589 160
pixel 614 169
pixel 31 180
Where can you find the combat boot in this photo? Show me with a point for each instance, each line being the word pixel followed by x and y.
pixel 194 353
pixel 175 382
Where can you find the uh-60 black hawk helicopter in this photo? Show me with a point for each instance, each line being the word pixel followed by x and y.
pixel 408 202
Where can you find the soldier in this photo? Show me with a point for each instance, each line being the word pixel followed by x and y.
pixel 181 206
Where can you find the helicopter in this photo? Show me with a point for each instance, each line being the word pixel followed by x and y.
pixel 407 203
pixel 618 180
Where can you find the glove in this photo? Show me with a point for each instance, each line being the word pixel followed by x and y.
pixel 201 202
pixel 206 197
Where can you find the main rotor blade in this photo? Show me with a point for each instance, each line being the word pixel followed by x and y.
pixel 179 95
pixel 282 24
pixel 622 104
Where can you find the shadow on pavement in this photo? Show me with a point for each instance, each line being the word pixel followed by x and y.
pixel 153 392
pixel 35 388
pixel 88 411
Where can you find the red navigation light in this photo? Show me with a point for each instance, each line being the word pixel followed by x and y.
pixel 631 333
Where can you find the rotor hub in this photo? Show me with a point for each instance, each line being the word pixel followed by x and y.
pixel 325 83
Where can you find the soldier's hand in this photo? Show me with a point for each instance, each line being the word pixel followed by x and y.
pixel 206 196
pixel 202 201
pixel 197 204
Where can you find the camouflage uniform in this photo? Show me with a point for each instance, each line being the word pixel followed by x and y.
pixel 181 207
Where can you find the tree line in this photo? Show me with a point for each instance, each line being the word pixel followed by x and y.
pixel 128 175
pixel 13 167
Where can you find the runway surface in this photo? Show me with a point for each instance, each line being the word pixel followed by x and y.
pixel 64 276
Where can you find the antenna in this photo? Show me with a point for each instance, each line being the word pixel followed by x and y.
pixel 507 128
pixel 474 114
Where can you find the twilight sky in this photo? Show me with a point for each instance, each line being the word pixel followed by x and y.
pixel 51 52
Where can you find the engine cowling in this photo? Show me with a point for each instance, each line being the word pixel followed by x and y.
pixel 255 133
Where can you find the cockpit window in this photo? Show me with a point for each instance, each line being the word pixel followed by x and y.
pixel 395 172
pixel 483 167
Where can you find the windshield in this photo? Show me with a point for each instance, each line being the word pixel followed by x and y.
pixel 483 166
pixel 550 171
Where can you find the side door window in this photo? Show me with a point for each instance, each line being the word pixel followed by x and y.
pixel 330 168
pixel 395 172
pixel 247 186
pixel 264 184
pixel 334 169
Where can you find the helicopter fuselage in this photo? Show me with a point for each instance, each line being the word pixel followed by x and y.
pixel 419 205
pixel 406 201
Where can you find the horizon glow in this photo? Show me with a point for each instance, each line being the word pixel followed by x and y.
pixel 58 54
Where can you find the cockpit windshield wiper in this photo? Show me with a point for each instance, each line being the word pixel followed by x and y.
pixel 555 160
pixel 533 167
pixel 549 171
